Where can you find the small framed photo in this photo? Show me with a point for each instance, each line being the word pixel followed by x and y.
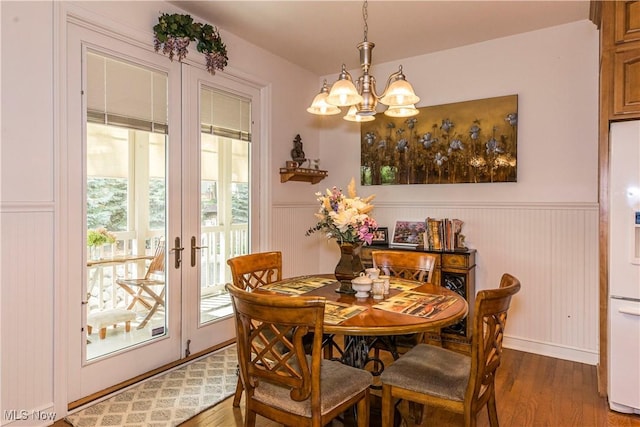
pixel 380 236
pixel 408 234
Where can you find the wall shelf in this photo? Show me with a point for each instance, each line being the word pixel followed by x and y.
pixel 312 176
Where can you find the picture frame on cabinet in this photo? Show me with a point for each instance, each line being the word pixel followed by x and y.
pixel 380 236
pixel 408 234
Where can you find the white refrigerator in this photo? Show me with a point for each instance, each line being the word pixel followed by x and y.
pixel 624 268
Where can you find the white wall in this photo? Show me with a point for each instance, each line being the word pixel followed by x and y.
pixel 543 228
pixel 27 191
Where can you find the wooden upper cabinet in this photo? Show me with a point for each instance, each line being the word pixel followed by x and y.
pixel 620 55
pixel 626 82
pixel 627 21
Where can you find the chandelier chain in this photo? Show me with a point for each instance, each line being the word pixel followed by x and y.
pixel 365 15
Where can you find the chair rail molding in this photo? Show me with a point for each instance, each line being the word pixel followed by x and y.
pixel 35 206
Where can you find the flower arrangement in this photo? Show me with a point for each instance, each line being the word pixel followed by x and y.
pixel 174 32
pixel 343 218
pixel 100 236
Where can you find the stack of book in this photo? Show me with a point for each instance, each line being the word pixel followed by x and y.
pixel 443 234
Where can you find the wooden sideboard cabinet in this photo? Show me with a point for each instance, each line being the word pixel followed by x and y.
pixel 455 270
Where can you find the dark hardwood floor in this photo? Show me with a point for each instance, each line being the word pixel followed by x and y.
pixel 532 390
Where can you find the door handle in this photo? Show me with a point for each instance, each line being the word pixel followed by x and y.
pixel 178 251
pixel 629 310
pixel 193 250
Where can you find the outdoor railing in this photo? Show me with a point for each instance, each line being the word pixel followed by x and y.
pixel 219 244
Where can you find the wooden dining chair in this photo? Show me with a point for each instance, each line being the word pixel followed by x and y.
pixel 149 290
pixel 254 270
pixel 417 266
pixel 431 375
pixel 249 272
pixel 281 381
pixel 407 265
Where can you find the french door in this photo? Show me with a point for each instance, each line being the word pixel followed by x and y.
pixel 148 185
pixel 218 121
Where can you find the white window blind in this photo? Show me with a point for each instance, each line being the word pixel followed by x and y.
pixel 225 115
pixel 125 95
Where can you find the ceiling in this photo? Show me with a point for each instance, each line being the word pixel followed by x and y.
pixel 321 35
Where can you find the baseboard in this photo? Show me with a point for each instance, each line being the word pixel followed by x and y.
pixel 551 350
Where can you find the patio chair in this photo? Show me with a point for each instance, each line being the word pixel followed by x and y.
pixel 148 291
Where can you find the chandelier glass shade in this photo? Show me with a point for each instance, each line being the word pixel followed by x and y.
pixel 361 96
pixel 320 105
pixel 353 117
pixel 343 92
pixel 401 111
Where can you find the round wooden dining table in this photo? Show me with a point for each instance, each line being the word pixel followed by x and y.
pixel 367 321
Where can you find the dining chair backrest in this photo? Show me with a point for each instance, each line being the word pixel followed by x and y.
pixel 254 270
pixel 408 265
pixel 280 381
pixel 156 267
pixel 490 319
pixel 269 338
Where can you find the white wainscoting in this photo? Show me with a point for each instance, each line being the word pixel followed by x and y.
pixel 27 308
pixel 552 248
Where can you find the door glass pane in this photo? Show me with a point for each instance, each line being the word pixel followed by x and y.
pixel 125 205
pixel 225 194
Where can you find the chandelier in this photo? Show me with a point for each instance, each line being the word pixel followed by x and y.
pixel 361 97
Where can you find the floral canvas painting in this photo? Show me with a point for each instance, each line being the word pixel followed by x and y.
pixel 464 142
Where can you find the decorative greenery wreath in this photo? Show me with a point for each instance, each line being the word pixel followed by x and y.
pixel 174 32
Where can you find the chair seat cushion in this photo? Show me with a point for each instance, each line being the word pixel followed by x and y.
pixel 430 370
pixel 338 383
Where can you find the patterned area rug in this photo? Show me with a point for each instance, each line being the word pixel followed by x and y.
pixel 168 399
